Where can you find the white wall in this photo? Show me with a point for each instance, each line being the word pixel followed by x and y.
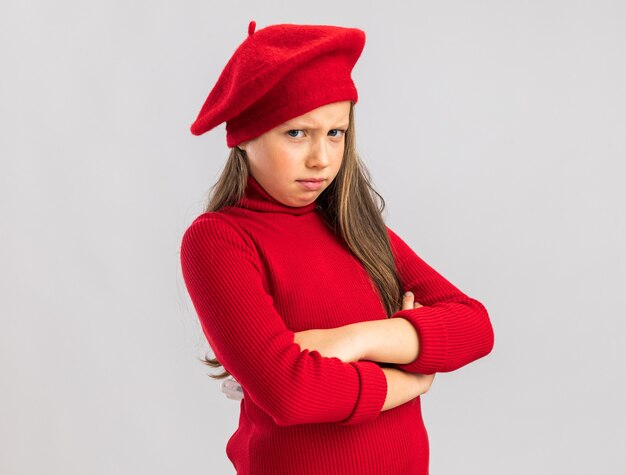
pixel 494 130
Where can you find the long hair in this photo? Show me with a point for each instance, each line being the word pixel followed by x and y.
pixel 348 208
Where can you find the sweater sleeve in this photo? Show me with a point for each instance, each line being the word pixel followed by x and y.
pixel 453 329
pixel 223 275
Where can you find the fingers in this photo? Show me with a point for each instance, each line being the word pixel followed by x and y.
pixel 408 301
pixel 232 389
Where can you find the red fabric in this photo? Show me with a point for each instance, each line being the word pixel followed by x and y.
pixel 280 72
pixel 260 271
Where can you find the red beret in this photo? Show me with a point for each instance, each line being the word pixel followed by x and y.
pixel 280 72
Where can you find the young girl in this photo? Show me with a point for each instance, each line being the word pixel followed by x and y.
pixel 300 286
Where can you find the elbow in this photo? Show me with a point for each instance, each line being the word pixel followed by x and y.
pixel 269 395
pixel 280 411
pixel 468 334
pixel 277 401
pixel 486 327
pixel 280 420
pixel 273 400
pixel 276 407
pixel 286 417
pixel 490 338
pixel 287 413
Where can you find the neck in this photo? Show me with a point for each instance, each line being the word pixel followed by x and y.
pixel 257 199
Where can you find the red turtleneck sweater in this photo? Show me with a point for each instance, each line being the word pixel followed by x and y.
pixel 259 271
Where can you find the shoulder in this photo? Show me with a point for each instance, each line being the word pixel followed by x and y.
pixel 215 228
pixel 214 243
pixel 215 220
pixel 393 236
pixel 399 247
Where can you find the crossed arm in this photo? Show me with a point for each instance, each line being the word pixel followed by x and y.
pixel 392 340
pixel 444 331
pixel 447 332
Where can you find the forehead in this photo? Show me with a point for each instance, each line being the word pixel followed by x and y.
pixel 329 114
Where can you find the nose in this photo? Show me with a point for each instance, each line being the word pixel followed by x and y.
pixel 318 153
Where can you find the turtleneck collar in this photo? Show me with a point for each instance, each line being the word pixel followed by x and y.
pixel 257 199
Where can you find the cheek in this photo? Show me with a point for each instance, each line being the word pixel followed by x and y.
pixel 282 154
pixel 338 155
pixel 270 151
pixel 291 154
pixel 280 158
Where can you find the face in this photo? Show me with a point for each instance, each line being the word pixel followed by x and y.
pixel 308 147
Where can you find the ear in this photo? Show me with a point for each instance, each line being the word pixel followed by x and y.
pixel 243 145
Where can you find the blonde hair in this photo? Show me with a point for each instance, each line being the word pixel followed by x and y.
pixel 347 207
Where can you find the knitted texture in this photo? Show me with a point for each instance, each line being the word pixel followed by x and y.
pixel 280 72
pixel 259 271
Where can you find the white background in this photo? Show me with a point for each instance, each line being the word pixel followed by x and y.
pixel 495 131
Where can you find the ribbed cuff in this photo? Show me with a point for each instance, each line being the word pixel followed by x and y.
pixel 372 393
pixel 433 339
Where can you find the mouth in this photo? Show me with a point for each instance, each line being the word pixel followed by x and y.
pixel 311 184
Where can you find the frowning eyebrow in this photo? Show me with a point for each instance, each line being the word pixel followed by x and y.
pixel 309 126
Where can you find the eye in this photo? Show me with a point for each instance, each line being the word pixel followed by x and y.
pixel 293 130
pixel 338 130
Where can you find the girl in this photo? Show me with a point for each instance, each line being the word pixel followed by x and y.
pixel 299 285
